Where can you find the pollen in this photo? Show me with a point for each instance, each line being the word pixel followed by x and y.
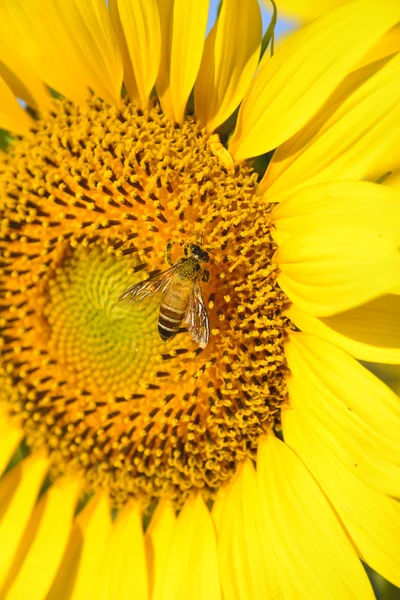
pixel 89 200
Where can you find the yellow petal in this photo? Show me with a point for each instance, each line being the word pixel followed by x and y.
pixel 192 566
pixel 137 25
pixel 10 437
pixel 166 13
pixel 394 182
pixel 12 116
pixel 347 136
pixel 230 58
pixel 43 543
pixel 369 332
pixel 95 523
pixel 67 43
pixel 387 162
pixel 158 543
pixel 23 82
pixel 18 493
pixel 63 583
pixel 299 78
pixel 337 268
pixel 183 28
pixel 371 518
pixel 314 553
pixel 124 574
pixel 218 506
pixel 355 203
pixel 341 398
pixel 247 563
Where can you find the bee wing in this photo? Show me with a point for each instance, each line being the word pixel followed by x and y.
pixel 196 317
pixel 157 284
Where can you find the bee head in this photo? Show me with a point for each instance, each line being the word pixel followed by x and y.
pixel 198 252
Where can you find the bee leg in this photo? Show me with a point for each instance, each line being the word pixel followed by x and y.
pixel 206 276
pixel 168 251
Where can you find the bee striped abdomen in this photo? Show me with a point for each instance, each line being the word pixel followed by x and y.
pixel 172 311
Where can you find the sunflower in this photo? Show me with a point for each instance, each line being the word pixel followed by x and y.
pixel 264 465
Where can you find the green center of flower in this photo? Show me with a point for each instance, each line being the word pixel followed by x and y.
pixel 92 334
pixel 89 201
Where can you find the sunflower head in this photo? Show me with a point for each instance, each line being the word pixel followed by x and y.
pixel 269 454
pixel 93 197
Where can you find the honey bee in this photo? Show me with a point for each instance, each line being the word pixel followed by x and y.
pixel 181 295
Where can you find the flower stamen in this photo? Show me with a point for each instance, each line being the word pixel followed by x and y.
pixel 91 199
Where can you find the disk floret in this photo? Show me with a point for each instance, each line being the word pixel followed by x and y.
pixel 89 201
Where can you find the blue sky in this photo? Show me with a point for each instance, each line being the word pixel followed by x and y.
pixel 283 25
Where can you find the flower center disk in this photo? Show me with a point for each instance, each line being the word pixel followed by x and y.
pixel 89 201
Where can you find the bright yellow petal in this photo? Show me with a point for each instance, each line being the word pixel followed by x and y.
pixel 63 583
pixel 371 518
pixel 388 162
pixel 137 25
pixel 230 58
pixel 337 268
pixel 315 555
pixel 394 181
pixel 336 203
pixel 183 28
pixel 292 86
pixel 43 543
pixel 10 437
pixel 348 135
pixel 369 332
pixel 12 116
pixel 124 574
pixel 67 43
pixel 95 524
pixel 158 543
pixel 166 12
pixel 218 506
pixel 18 493
pixel 24 83
pixel 247 563
pixel 192 567
pixel 82 567
pixel 340 397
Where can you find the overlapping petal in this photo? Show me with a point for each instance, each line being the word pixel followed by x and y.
pixel 230 58
pixel 10 437
pixel 372 519
pixel 335 259
pixel 369 332
pixel 12 116
pixel 137 25
pixel 358 124
pixel 352 407
pixel 24 84
pixel 192 563
pixel 43 543
pixel 80 571
pixel 183 27
pixel 158 539
pixel 67 43
pixel 333 204
pixel 300 521
pixel 299 78
pixel 124 572
pixel 18 493
pixel 247 563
